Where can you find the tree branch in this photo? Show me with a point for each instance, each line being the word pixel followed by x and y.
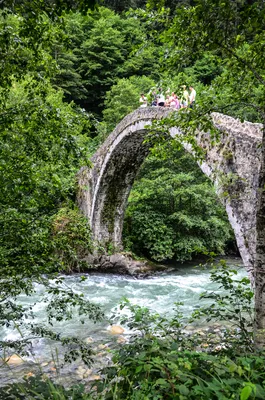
pixel 243 62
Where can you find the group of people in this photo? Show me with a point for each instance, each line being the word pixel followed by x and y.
pixel 157 98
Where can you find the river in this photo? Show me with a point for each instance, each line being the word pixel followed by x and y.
pixel 183 283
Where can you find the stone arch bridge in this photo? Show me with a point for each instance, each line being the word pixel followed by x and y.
pixel 232 164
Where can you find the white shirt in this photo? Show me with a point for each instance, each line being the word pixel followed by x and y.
pixel 143 101
pixel 161 98
pixel 192 95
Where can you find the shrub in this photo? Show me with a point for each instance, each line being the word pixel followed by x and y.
pixel 165 361
pixel 40 388
pixel 72 240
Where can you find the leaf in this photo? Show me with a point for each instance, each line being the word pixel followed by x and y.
pixel 147 367
pixel 183 390
pixel 161 382
pixel 245 393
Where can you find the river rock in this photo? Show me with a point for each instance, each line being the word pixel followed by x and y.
pixel 116 330
pixel 44 364
pixel 81 371
pixel 104 258
pixel 190 328
pixel 106 266
pixel 200 332
pixel 29 374
pixel 121 263
pixel 118 260
pixel 103 346
pixel 90 260
pixel 14 360
pixel 88 340
pixel 121 340
pixel 87 373
pixel 220 347
pixel 94 378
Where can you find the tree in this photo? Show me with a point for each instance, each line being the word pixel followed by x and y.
pixel 34 32
pixel 173 211
pixel 123 5
pixel 123 98
pixel 51 7
pixel 98 49
pixel 235 30
pixel 43 142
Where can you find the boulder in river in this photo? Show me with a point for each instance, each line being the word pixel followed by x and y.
pixel 124 264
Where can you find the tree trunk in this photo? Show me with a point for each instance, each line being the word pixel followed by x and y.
pixel 259 268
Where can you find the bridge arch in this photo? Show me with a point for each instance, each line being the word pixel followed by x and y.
pixel 232 164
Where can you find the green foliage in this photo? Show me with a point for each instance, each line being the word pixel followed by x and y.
pixel 100 48
pixel 162 372
pixel 123 5
pixel 40 388
pixel 43 145
pixel 21 50
pixel 44 141
pixel 53 8
pixel 173 211
pixel 233 46
pixel 42 148
pixel 233 306
pixel 205 69
pixel 123 98
pixel 165 361
pixel 71 237
pixel 68 78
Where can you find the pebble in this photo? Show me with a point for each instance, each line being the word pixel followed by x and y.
pixel 115 330
pixel 44 364
pixel 189 328
pixel 103 346
pixel 29 374
pixel 87 373
pixel 81 371
pixel 121 339
pixel 201 333
pixel 88 340
pixel 94 377
pixel 14 360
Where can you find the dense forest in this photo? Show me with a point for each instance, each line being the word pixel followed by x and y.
pixel 62 102
pixel 69 72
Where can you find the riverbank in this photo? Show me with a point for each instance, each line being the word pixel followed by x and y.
pixel 123 264
pixel 127 264
pixel 183 283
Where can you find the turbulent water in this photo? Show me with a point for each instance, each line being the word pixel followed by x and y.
pixel 183 283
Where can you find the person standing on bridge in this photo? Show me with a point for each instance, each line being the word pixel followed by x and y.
pixel 192 96
pixel 143 101
pixel 152 97
pixel 160 98
pixel 184 97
